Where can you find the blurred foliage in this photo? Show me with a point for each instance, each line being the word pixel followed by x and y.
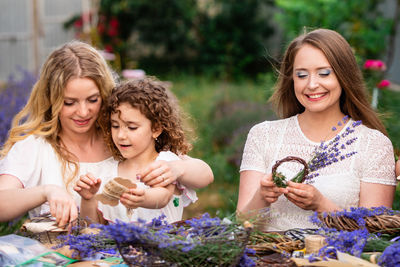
pixel 217 37
pixel 361 22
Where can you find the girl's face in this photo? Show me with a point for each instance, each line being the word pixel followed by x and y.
pixel 82 103
pixel 132 133
pixel 315 84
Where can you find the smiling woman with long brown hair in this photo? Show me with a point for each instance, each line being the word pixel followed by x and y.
pixel 319 84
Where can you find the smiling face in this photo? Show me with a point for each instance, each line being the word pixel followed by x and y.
pixel 315 83
pixel 132 133
pixel 82 103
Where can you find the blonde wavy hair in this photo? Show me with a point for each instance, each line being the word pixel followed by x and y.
pixel 354 98
pixel 40 115
pixel 160 106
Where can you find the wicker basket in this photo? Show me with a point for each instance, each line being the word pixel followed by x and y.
pixel 388 224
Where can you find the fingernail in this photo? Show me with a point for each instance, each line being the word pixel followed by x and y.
pixel 138 176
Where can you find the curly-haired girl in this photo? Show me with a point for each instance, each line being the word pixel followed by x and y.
pixel 144 125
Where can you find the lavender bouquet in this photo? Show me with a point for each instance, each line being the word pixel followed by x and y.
pixel 203 241
pixel 323 155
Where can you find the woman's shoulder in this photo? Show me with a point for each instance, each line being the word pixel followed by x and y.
pixel 274 124
pixel 31 142
pixel 375 136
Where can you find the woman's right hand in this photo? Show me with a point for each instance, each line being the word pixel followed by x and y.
pixel 62 205
pixel 269 191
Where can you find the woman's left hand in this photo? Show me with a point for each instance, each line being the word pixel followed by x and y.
pixel 305 196
pixel 158 173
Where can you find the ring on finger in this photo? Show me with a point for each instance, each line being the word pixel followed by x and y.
pixel 163 178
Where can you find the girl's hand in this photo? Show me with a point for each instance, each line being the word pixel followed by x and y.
pixel 305 196
pixel 87 186
pixel 159 173
pixel 62 205
pixel 134 199
pixel 269 191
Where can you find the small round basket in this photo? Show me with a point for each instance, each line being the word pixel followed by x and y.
pixel 385 223
pixel 45 229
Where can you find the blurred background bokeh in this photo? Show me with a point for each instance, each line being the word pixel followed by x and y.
pixel 219 56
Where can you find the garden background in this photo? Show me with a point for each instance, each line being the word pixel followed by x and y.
pixel 220 58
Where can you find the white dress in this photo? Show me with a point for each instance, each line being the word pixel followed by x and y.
pixel 173 210
pixel 270 141
pixel 34 162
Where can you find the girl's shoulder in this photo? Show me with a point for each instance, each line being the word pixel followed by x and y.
pixel 167 156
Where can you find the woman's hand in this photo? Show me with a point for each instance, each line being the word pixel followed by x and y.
pixel 62 205
pixel 269 191
pixel 398 170
pixel 134 199
pixel 305 196
pixel 159 173
pixel 87 186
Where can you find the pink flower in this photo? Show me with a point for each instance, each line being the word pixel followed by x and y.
pixel 383 84
pixel 374 64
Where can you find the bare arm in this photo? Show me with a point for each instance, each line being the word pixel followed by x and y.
pixel 375 195
pixel 190 172
pixel 150 198
pixel 62 206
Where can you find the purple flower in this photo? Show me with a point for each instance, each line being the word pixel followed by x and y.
pixel 390 256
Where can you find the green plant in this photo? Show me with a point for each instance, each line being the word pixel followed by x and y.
pixel 361 22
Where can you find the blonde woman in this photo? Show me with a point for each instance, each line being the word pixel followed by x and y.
pixel 319 83
pixel 58 136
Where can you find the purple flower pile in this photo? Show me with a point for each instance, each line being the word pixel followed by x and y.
pixel 203 241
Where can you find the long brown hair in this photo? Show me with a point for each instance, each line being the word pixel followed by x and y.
pixel 40 115
pixel 354 98
pixel 159 105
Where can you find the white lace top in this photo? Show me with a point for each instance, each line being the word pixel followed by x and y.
pixel 270 141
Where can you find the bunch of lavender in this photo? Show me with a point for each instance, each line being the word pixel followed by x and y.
pixel 203 241
pixel 323 155
pixel 353 242
pixel 13 98
pixel 390 256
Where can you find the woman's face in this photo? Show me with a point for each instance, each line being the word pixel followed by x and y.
pixel 82 103
pixel 315 84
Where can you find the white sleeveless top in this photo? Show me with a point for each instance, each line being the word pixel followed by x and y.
pixel 270 141
pixel 173 210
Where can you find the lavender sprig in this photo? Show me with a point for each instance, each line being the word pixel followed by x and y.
pixel 324 155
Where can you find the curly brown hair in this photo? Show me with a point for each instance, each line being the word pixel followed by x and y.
pixel 159 105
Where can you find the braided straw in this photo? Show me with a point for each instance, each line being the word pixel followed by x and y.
pixel 389 224
pixel 273 242
pixel 288 159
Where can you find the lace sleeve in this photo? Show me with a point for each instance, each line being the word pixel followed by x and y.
pixel 378 159
pixel 253 157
